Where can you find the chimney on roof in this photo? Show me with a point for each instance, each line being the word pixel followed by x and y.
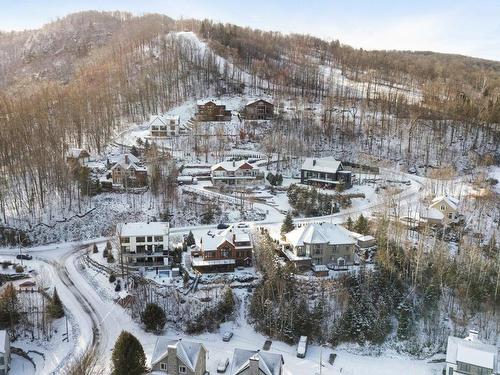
pixel 234 163
pixel 253 365
pixel 314 162
pixel 126 158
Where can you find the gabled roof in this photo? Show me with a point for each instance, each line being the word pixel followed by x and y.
pixel 473 352
pixel 232 235
pixel 128 161
pixel 450 201
pixel 206 101
pixel 253 101
pixel 328 164
pixel 188 352
pixel 232 166
pixel 163 119
pixel 269 363
pixel 325 233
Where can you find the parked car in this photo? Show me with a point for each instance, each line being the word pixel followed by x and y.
pixel 222 226
pixel 222 365
pixel 24 256
pixel 302 347
pixel 227 336
pixel 242 225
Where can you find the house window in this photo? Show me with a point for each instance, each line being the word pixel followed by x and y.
pixel 163 366
pixel 442 208
pixel 158 238
pixel 182 369
pixel 317 249
pixel 140 239
pixel 450 215
pixel 450 372
pixel 2 360
pixel 464 367
pixel 125 239
pixel 150 239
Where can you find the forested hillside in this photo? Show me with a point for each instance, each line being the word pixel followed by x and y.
pixel 79 80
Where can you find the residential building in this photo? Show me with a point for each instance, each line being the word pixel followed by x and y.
pixel 470 356
pixel 77 156
pixel 4 352
pixel 144 244
pixel 128 171
pixel 236 174
pixel 165 126
pixel 255 362
pixel 179 357
pixel 324 173
pixel 259 109
pixel 324 243
pixel 222 251
pixel 212 110
pixel 443 210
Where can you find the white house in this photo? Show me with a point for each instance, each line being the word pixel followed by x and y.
pixel 145 243
pixel 255 362
pixel 323 243
pixel 470 356
pixel 236 174
pixel 4 352
pixel 443 210
pixel 165 126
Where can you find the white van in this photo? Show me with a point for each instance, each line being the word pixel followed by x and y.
pixel 302 347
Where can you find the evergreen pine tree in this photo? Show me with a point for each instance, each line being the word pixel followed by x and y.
pixel 55 307
pixel 361 225
pixel 226 307
pixel 287 225
pixel 154 317
pixel 349 223
pixel 128 356
pixel 190 239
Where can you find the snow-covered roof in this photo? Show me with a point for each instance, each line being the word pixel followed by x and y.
pixel 211 241
pixel 205 101
pixel 431 213
pixel 250 102
pixel 319 268
pixel 187 351
pixel 155 228
pixel 473 352
pixel 269 363
pixel 327 165
pixel 450 201
pixel 3 340
pixel 127 161
pixel 165 119
pixel 231 166
pixel 324 233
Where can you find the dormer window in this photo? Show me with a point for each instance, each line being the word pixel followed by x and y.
pixel 442 208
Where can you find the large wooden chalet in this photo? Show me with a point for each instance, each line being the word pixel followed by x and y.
pixel 212 110
pixel 258 109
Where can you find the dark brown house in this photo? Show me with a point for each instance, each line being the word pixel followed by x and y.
pixel 223 251
pixel 259 109
pixel 212 110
